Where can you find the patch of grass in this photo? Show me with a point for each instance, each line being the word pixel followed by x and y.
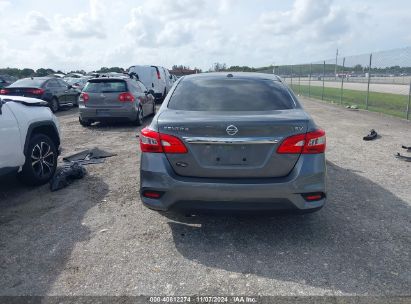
pixel 392 104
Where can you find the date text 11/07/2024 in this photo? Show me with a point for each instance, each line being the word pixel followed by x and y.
pixel 203 299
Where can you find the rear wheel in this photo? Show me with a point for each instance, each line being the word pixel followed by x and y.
pixel 75 103
pixel 140 117
pixel 84 122
pixel 54 105
pixel 41 161
pixel 154 108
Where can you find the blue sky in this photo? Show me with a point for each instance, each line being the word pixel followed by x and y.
pixel 88 34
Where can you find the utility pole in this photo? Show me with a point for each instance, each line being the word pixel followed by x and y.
pixel 336 62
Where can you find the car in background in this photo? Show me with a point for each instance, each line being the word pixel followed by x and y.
pixel 58 75
pixel 74 75
pixel 55 91
pixel 30 139
pixel 6 80
pixel 77 82
pixel 232 142
pixel 156 78
pixel 115 98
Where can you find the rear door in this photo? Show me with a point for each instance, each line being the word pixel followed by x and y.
pixel 138 94
pixel 232 127
pixel 149 99
pixel 57 90
pixel 70 94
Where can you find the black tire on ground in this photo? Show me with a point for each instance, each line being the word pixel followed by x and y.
pixel 54 104
pixel 41 160
pixel 140 117
pixel 84 123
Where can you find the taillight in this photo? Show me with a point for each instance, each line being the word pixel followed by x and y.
pixel 309 143
pixel 84 97
pixel 158 74
pixel 315 142
pixel 126 97
pixel 152 194
pixel 35 91
pixel 154 142
pixel 312 197
pixel 4 92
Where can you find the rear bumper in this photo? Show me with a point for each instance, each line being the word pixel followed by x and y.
pixel 125 113
pixel 190 193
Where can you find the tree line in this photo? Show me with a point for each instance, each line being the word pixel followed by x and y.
pixel 27 72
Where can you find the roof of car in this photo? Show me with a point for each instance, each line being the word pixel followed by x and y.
pixel 125 77
pixel 40 78
pixel 243 75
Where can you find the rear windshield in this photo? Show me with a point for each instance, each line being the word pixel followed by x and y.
pixel 105 86
pixel 230 94
pixel 28 82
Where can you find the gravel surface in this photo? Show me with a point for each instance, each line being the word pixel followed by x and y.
pixel 95 238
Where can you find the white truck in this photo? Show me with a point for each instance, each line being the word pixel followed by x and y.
pixel 29 139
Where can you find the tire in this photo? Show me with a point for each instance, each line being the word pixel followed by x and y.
pixel 84 123
pixel 154 109
pixel 41 161
pixel 54 105
pixel 75 104
pixel 140 117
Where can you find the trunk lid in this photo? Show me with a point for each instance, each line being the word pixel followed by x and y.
pixel 233 144
pixel 24 91
pixel 104 93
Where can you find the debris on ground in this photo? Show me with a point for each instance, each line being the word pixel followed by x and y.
pixel 87 157
pixel 352 107
pixel 371 136
pixel 403 157
pixel 407 148
pixel 65 176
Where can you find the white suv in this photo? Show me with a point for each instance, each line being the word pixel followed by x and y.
pixel 29 139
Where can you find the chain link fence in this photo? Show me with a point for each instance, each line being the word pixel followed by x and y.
pixel 379 82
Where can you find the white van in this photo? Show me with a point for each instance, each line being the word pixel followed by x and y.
pixel 153 77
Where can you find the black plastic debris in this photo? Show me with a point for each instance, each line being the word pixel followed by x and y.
pixel 85 156
pixel 406 148
pixel 371 136
pixel 403 157
pixel 65 176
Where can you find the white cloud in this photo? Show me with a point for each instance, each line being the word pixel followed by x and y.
pixel 4 4
pixel 37 23
pixel 86 25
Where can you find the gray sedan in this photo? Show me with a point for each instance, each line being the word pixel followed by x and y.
pixel 237 141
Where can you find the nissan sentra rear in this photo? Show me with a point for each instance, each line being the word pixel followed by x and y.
pixel 237 141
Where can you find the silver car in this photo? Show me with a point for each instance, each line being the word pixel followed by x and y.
pixel 237 141
pixel 117 98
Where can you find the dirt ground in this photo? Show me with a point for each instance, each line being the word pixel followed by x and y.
pixel 95 237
